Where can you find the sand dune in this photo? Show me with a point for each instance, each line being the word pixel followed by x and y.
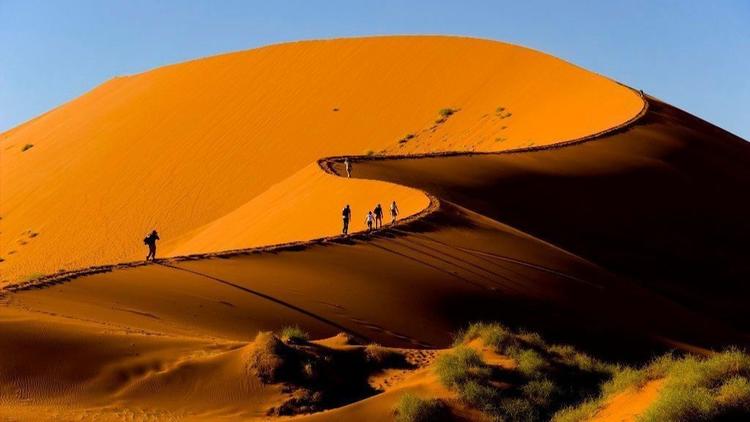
pixel 606 242
pixel 180 148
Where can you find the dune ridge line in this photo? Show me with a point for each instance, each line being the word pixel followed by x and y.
pixel 327 165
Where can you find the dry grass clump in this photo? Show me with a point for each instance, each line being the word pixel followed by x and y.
pixel 411 408
pixel 382 357
pixel 27 147
pixel 265 357
pixel 716 388
pixel 695 389
pixel 492 334
pixel 316 376
pixel 445 113
pixel 294 334
pixel 463 364
pixel 546 378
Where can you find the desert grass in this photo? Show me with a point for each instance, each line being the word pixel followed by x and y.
pixel 695 389
pixel 294 334
pixel 411 408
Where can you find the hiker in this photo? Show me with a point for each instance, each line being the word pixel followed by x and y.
pixel 348 165
pixel 368 220
pixel 378 216
pixel 394 212
pixel 346 214
pixel 150 240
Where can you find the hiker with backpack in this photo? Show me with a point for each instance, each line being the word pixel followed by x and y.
pixel 378 216
pixel 346 215
pixel 394 212
pixel 150 240
pixel 368 221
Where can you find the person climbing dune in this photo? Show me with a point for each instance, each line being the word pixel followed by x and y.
pixel 394 212
pixel 368 221
pixel 348 166
pixel 346 215
pixel 378 216
pixel 150 240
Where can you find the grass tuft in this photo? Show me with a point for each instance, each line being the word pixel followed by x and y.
pixel 294 334
pixel 27 147
pixel 460 366
pixel 411 408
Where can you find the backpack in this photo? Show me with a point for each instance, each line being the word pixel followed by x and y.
pixel 145 240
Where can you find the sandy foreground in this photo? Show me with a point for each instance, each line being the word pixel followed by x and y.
pixel 625 242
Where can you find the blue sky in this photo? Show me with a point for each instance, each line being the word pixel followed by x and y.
pixel 693 54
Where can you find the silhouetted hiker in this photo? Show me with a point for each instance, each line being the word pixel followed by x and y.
pixel 378 216
pixel 394 212
pixel 346 214
pixel 368 220
pixel 348 165
pixel 150 240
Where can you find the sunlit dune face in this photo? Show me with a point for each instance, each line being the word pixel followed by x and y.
pixel 220 153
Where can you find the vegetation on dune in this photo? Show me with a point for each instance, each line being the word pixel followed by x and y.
pixel 545 382
pixel 384 357
pixel 411 408
pixel 545 379
pixel 316 377
pixel 561 383
pixel 294 334
pixel 27 147
pixel 445 113
pixel 715 388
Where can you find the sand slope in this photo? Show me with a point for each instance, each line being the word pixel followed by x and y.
pixel 181 147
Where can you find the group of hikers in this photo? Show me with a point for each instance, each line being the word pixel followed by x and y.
pixel 373 217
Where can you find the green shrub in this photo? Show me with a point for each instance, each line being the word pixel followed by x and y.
pixel 533 340
pixel 540 392
pixel 481 396
pixel 581 412
pixel 294 334
pixel 27 147
pixel 493 335
pixel 411 408
pixel 530 363
pixel 735 393
pixel 460 366
pixel 446 112
pixel 517 409
pixel 702 389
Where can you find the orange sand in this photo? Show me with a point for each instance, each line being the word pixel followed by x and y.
pixel 628 405
pixel 202 150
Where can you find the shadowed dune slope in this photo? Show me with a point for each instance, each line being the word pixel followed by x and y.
pixel 184 147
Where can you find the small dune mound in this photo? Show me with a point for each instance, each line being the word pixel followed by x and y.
pixel 316 375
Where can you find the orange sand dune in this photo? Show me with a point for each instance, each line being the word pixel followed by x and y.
pixel 619 244
pixel 194 148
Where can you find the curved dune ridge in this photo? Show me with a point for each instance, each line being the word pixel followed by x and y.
pixel 219 153
pixel 606 243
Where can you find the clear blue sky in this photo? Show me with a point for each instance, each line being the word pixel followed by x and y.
pixel 693 54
